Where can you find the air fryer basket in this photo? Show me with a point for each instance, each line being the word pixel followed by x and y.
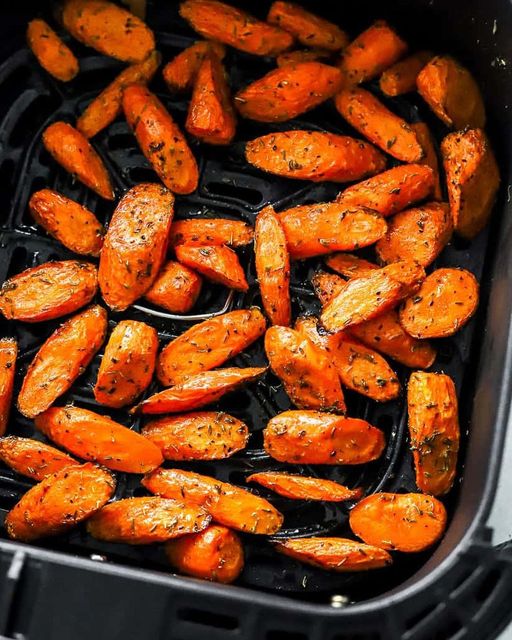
pixel 76 587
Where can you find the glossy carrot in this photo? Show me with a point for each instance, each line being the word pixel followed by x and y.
pixel 430 155
pixel 219 264
pixel 302 55
pixel 211 231
pixel 401 77
pixel 181 72
pixel 349 265
pixel 176 288
pixel 303 487
pixel 8 355
pixel 33 458
pixel 51 53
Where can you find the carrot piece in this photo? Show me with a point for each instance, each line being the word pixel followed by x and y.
pixel 32 458
pixel 408 522
pixel 216 263
pixel 198 390
pixel 312 437
pixel 109 29
pixel 430 155
pixel 472 178
pixel 135 245
pixel 181 72
pixel 232 26
pixel 302 55
pixel 442 305
pixel 49 291
pixel 8 355
pixel 371 53
pixel 287 92
pixel 60 502
pixel 63 357
pixel 349 265
pixel 228 504
pixel 160 139
pixel 105 108
pixel 176 288
pixel 214 554
pixel 451 92
pixel 327 286
pixel 209 344
pixel 363 111
pixel 208 231
pixel 317 229
pixel 335 554
pixel 306 372
pixel 417 234
pixel 72 150
pixel 401 77
pixel 51 53
pixel 391 191
pixel 315 156
pixel 273 267
pixel 303 487
pixel 204 435
pixel 70 223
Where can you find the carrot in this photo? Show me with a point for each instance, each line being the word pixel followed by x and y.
pixel 72 151
pixel 214 554
pixel 349 265
pixel 407 522
pixel 222 22
pixel 335 554
pixel 204 435
pixel 417 234
pixel 391 191
pixel 316 229
pixel 228 504
pixel 315 156
pixel 211 116
pixel 434 430
pixel 181 72
pixel 127 365
pixel 472 178
pixel 273 266
pixel 176 288
pixel 49 291
pixel 63 357
pixel 302 55
pixel 109 29
pixel 451 92
pixel 60 502
pixel 135 245
pixel 401 77
pixel 69 222
pixel 8 355
pixel 32 458
pixel 209 344
pixel 371 53
pixel 287 92
pixel 199 390
pixel 160 139
pixel 311 437
pixel 208 231
pixel 219 264
pixel 303 487
pixel 308 28
pixel 105 108
pixel 51 53
pixel 442 305
pixel 363 111
pixel 306 372
pixel 430 155
pixel 97 438
pixel 327 286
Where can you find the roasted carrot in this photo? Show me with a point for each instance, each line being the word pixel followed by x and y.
pixel 401 77
pixel 349 265
pixel 472 178
pixel 363 111
pixel 204 435
pixel 315 156
pixel 302 55
pixel 62 358
pixel 228 504
pixel 176 288
pixel 214 554
pixel 181 72
pixel 442 305
pixel 160 139
pixel 312 437
pixel 430 155
pixel 222 22
pixel 68 221
pixel 217 263
pixel 287 92
pixel 303 487
pixel 407 522
pixel 208 231
pixel 327 286
pixel 97 438
pixel 49 291
pixel 32 458
pixel 135 245
pixel 8 355
pixel 60 502
pixel 273 267
pixel 51 53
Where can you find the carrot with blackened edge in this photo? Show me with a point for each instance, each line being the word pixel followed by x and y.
pixel 303 487
pixel 401 77
pixel 51 53
pixel 302 55
pixel 181 72
pixel 33 458
pixel 426 140
pixel 176 288
pixel 208 231
pixel 217 263
pixel 8 355
pixel 349 265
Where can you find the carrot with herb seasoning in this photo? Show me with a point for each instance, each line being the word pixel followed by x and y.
pixel 349 265
pixel 304 487
pixel 51 53
pixel 176 288
pixel 426 141
pixel 211 231
pixel 8 355
pixel 181 72
pixel 401 77
pixel 33 458
pixel 302 55
pixel 217 263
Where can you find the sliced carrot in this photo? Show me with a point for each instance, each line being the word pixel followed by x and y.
pixel 401 77
pixel 327 286
pixel 302 55
pixel 303 487
pixel 219 264
pixel 208 231
pixel 8 355
pixel 181 72
pixel 176 288
pixel 51 53
pixel 349 265
pixel 32 458
pixel 426 140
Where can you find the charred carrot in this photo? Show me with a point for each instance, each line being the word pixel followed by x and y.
pixel 302 55
pixel 327 286
pixel 8 355
pixel 32 458
pixel 51 53
pixel 349 265
pixel 181 72
pixel 430 155
pixel 211 231
pixel 303 487
pixel 176 288
pixel 217 263
pixel 401 77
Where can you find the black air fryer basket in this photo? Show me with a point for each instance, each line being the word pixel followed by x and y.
pixel 76 588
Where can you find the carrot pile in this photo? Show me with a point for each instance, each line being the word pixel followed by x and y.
pixel 376 309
